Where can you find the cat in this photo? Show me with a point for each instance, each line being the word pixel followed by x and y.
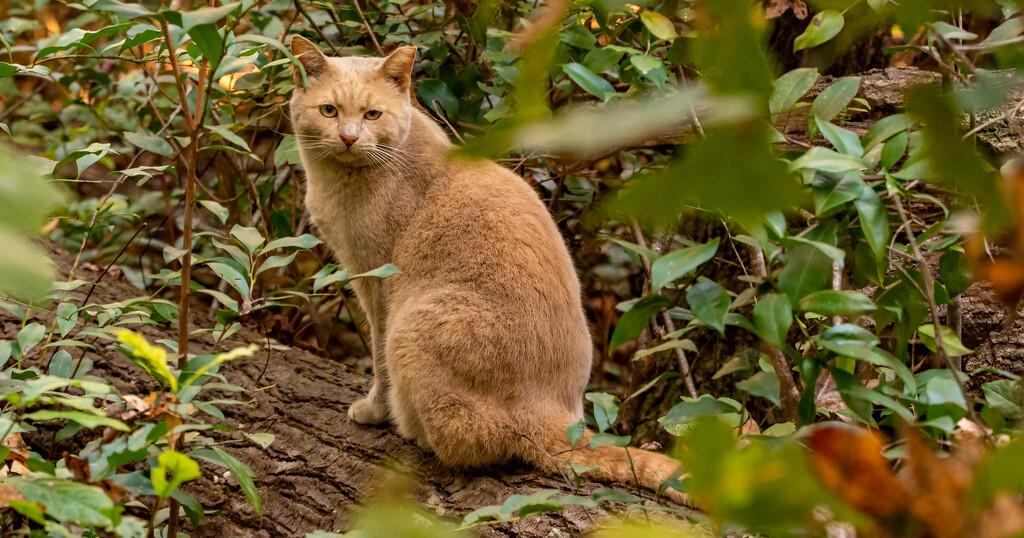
pixel 481 350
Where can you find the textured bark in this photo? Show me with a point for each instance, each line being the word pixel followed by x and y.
pixel 321 466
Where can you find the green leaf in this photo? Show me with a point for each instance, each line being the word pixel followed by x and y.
pixel 606 410
pixel 150 142
pixel 950 342
pixel 609 439
pixel 763 384
pixel 826 160
pixel 848 340
pixel 807 270
pixel 220 211
pixel 709 303
pixel 831 190
pixel 644 63
pixel 824 26
pixel 575 431
pixel 243 474
pixel 773 315
pixel 893 150
pixel 955 273
pixel 210 42
pixel 150 358
pixel 874 223
pixel 837 303
pixel 250 237
pixel 87 420
pixel 7 69
pixel 305 241
pixel 273 262
pixel 181 468
pixel 207 15
pixel 674 265
pixel 789 88
pixel 659 25
pixel 632 323
pixel 705 406
pixel 577 35
pixel 885 129
pixel 602 59
pixel 586 79
pixel 228 135
pixel 287 152
pixel 60 364
pixel 67 501
pixel 1007 396
pixel 1004 32
pixel 835 98
pixel 30 336
pixel 949 31
pixel 431 90
pixel 844 140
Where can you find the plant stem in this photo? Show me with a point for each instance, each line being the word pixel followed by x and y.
pixel 788 393
pixel 929 297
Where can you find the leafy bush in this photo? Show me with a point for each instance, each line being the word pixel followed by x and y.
pixel 840 250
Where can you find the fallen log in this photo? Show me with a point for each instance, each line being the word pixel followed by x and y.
pixel 321 466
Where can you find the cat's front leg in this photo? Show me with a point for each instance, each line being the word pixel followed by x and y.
pixel 373 409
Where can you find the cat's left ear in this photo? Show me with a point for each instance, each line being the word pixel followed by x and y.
pixel 398 67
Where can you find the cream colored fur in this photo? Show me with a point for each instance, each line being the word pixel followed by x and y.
pixel 481 351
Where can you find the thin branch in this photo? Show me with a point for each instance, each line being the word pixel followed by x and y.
pixel 929 296
pixel 669 325
pixel 319 32
pixel 369 30
pixel 788 392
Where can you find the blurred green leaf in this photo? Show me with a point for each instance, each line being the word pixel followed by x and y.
pixel 823 26
pixel 586 79
pixel 659 25
pixel 181 469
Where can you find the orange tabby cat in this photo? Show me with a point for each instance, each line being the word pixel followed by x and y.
pixel 481 351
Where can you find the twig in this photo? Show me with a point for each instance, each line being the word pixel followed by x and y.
pixel 1002 117
pixel 788 392
pixel 666 318
pixel 369 30
pixel 298 7
pixel 112 262
pixel 929 296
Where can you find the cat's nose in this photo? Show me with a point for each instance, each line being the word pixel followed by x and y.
pixel 349 139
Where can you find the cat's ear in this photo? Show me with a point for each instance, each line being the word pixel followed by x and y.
pixel 398 67
pixel 310 57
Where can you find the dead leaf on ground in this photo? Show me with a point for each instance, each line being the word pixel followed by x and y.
pixel 776 8
pixel 8 494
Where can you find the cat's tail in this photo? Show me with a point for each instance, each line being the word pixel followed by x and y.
pixel 548 449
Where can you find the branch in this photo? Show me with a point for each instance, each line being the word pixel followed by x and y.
pixel 788 392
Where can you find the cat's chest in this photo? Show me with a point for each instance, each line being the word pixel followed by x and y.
pixel 359 231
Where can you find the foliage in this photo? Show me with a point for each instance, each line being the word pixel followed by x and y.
pixel 855 245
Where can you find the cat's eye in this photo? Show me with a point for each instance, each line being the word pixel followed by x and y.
pixel 372 114
pixel 328 110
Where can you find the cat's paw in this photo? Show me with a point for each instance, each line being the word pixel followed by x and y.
pixel 366 411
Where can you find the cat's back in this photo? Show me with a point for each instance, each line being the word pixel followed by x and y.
pixel 482 224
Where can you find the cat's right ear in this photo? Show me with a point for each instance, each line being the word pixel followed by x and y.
pixel 314 61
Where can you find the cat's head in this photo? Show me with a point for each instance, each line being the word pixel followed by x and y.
pixel 355 110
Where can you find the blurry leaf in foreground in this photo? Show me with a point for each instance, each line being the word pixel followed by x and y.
pixel 765 486
pixel 952 160
pixel 25 199
pixel 713 177
pixel 590 131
